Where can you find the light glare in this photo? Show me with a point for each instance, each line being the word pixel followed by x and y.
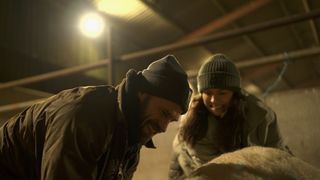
pixel 91 25
pixel 120 7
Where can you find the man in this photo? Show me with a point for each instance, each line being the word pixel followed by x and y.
pixel 94 132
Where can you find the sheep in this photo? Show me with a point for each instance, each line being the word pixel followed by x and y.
pixel 256 163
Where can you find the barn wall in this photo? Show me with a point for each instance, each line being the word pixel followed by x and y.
pixel 298 112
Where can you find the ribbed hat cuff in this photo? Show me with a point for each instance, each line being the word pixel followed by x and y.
pixel 218 80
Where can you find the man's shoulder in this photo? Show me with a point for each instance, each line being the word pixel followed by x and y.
pixel 89 100
pixel 88 93
pixel 97 92
pixel 83 90
pixel 98 97
pixel 93 106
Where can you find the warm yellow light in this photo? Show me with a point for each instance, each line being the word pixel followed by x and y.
pixel 253 89
pixel 91 25
pixel 119 7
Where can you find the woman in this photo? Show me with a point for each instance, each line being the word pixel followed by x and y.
pixel 222 118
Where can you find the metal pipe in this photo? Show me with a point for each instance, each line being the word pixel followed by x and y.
pixel 312 23
pixel 279 57
pixel 20 105
pixel 32 92
pixel 110 56
pixel 192 74
pixel 295 34
pixel 53 74
pixel 174 46
pixel 271 59
pixel 245 37
pixel 223 35
pixel 226 19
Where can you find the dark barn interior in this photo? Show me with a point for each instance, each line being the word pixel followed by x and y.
pixel 275 44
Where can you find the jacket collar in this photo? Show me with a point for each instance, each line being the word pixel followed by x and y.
pixel 120 89
pixel 255 110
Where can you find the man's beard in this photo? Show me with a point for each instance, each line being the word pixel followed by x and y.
pixel 144 104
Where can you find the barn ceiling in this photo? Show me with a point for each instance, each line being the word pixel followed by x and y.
pixel 275 43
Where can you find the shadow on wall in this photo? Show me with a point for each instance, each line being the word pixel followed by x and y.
pixel 299 120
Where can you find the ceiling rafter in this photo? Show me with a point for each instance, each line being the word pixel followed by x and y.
pixel 164 15
pixel 226 18
pixel 295 35
pixel 313 30
pixel 174 46
pixel 311 22
pixel 246 38
pixel 169 19
pixel 291 27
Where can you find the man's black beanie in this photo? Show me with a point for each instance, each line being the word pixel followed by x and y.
pixel 165 78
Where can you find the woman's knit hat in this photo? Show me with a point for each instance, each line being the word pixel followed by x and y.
pixel 218 72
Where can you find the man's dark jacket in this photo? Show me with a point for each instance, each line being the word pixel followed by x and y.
pixel 81 133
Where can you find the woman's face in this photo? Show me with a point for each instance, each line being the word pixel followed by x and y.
pixel 217 101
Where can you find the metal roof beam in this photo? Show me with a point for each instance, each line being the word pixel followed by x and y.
pixel 291 28
pixel 226 19
pixel 312 23
pixel 246 38
pixel 276 58
pixel 192 74
pixel 224 35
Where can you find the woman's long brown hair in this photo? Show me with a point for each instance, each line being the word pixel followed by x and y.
pixel 195 123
